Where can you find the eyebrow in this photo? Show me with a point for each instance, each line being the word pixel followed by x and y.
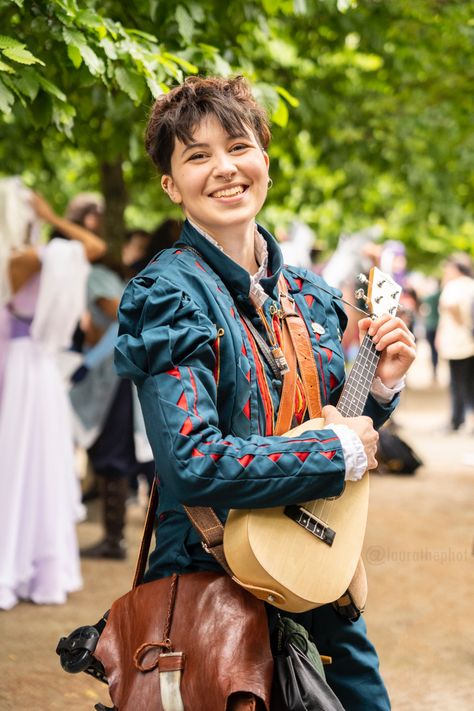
pixel 191 146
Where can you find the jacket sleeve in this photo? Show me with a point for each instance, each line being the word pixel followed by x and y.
pixel 165 345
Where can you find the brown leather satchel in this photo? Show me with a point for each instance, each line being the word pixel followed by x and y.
pixel 201 630
pixel 186 643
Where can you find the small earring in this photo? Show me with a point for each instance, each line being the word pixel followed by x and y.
pixel 270 183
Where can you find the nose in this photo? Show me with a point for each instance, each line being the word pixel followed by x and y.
pixel 224 166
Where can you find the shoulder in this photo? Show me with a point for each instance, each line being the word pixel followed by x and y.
pixel 163 293
pixel 305 281
pixel 316 293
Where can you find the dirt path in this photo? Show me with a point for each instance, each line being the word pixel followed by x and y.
pixel 419 560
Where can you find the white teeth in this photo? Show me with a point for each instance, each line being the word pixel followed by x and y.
pixel 229 192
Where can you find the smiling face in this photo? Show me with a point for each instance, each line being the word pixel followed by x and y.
pixel 219 180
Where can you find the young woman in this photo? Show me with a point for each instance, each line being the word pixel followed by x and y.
pixel 209 399
pixel 42 299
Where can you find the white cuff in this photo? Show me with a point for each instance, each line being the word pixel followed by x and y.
pixel 353 450
pixel 382 394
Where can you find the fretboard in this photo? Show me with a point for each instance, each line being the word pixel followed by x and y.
pixel 357 387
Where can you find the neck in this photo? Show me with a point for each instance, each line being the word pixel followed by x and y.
pixel 239 245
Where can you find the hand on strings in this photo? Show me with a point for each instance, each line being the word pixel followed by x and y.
pixel 396 344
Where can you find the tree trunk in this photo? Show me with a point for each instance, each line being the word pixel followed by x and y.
pixel 116 198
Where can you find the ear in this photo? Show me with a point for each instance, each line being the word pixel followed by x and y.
pixel 266 158
pixel 169 186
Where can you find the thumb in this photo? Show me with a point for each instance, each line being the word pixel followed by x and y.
pixel 330 413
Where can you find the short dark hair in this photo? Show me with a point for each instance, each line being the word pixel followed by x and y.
pixel 462 262
pixel 176 114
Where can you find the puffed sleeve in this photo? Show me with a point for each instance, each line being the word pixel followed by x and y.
pixel 165 345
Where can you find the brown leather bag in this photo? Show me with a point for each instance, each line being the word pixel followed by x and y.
pixel 216 630
pixel 193 641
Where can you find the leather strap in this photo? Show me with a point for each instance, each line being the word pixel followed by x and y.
pixel 146 536
pixel 303 348
pixel 288 391
pixel 211 530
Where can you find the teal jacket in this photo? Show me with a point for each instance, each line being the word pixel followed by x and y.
pixel 210 401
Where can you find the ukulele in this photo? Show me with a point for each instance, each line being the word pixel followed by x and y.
pixel 302 556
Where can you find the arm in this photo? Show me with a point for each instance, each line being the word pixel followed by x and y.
pixel 166 347
pixel 109 306
pixel 22 266
pixel 94 246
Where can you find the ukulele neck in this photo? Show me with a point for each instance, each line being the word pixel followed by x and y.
pixel 357 387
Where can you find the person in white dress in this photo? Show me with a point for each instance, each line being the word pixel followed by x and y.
pixel 42 296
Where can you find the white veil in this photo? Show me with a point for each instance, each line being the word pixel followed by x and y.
pixel 17 221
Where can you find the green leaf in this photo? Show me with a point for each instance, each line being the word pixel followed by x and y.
pixel 9 42
pixel 74 37
pixel 63 117
pixel 187 66
pixel 51 88
pixel 89 19
pixel 185 24
pixel 155 87
pixel 109 48
pixel 6 68
pixel 130 82
pixel 280 115
pixel 74 55
pixel 197 12
pixel 144 35
pixel 28 84
pixel 94 63
pixel 292 100
pixel 21 55
pixel 6 99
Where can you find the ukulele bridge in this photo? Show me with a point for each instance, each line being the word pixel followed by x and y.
pixel 311 523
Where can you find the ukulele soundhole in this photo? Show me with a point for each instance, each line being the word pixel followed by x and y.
pixel 311 523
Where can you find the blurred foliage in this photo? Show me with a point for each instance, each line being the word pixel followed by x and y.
pixel 371 104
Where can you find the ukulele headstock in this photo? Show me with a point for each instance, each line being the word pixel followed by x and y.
pixel 383 293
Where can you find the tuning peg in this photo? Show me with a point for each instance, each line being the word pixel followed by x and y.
pixel 362 278
pixel 360 294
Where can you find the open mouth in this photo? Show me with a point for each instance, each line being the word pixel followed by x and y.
pixel 230 192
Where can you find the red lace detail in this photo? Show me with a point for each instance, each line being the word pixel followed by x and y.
pixel 329 455
pixel 302 456
pixel 187 427
pixel 182 402
pixel 246 409
pixel 245 460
